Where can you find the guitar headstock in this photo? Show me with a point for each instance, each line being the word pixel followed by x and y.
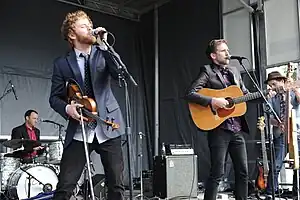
pixel 261 123
pixel 290 70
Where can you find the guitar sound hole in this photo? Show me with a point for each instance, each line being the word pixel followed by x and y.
pixel 231 103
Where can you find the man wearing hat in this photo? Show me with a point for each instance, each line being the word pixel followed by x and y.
pixel 277 84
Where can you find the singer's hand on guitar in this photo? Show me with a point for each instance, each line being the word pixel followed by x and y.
pixel 72 111
pixel 102 32
pixel 219 103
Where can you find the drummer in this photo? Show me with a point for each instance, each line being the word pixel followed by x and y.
pixel 29 131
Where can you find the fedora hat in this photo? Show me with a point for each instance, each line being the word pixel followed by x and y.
pixel 274 75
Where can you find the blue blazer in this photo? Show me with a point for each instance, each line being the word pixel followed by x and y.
pixel 102 69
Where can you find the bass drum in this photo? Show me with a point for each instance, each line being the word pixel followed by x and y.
pixel 17 184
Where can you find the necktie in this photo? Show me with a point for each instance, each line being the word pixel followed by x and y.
pixel 88 90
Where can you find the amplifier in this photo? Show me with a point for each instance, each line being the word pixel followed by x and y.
pixel 175 176
pixel 179 149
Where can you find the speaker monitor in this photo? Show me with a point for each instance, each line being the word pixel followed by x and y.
pixel 175 176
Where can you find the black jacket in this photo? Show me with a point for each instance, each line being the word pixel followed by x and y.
pixel 211 77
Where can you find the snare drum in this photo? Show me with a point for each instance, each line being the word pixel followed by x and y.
pixel 7 166
pixel 55 151
pixel 17 184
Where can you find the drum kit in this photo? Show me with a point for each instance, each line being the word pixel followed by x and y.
pixel 22 180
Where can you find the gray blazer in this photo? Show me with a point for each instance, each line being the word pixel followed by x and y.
pixel 102 69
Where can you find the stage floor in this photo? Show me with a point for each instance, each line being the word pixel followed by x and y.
pixel 221 196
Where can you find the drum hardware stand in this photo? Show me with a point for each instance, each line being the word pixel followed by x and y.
pixel 87 156
pixel 60 126
pixel 46 187
pixel 140 155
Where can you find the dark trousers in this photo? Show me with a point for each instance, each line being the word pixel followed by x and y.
pixel 73 162
pixel 220 141
pixel 279 154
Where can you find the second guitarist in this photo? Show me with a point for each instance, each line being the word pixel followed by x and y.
pixel 227 136
pixel 277 82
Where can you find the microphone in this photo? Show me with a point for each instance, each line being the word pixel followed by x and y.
pixel 96 32
pixel 51 122
pixel 13 89
pixel 237 58
pixel 46 120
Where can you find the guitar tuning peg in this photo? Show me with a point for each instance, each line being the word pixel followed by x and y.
pixel 107 118
pixel 112 119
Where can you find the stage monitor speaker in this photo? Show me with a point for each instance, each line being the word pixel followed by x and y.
pixel 175 176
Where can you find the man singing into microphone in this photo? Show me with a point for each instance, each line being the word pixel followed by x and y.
pixel 92 67
pixel 227 136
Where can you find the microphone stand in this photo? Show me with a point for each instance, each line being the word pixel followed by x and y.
pixel 122 73
pixel 30 176
pixel 268 111
pixel 60 126
pixel 6 93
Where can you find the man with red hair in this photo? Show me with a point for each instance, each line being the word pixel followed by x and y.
pixel 92 67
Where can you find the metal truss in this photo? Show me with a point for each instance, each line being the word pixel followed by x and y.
pixel 127 9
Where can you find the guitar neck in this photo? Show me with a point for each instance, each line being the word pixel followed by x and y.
pixel 247 97
pixel 264 153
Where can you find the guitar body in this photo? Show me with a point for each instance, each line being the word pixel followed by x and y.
pixel 260 181
pixel 206 118
pixel 293 141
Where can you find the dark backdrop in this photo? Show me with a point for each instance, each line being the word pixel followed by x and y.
pixel 30 40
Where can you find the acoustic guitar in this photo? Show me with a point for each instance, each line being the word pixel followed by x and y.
pixel 207 118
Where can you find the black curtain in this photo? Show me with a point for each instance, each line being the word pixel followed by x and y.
pixel 185 27
pixel 30 40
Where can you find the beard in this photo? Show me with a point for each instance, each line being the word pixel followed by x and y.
pixel 223 61
pixel 86 39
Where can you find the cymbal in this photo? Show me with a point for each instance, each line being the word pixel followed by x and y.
pixel 17 143
pixel 15 154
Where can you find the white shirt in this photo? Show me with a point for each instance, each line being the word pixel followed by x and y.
pixel 89 132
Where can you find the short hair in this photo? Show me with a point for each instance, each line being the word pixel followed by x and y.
pixel 212 46
pixel 69 21
pixel 28 113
